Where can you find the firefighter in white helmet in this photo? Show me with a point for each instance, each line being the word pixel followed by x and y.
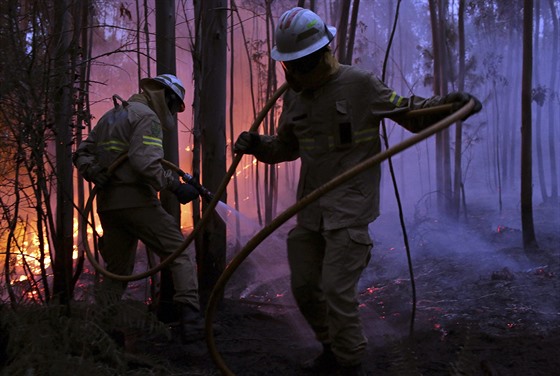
pixel 127 201
pixel 330 120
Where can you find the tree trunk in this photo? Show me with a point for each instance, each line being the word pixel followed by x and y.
pixel 458 172
pixel 529 239
pixel 270 180
pixel 352 32
pixel 539 108
pixel 553 106
pixel 166 63
pixel 443 178
pixel 233 10
pixel 212 120
pixel 62 111
pixel 342 32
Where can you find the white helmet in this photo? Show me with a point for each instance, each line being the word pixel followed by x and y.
pixel 169 81
pixel 300 32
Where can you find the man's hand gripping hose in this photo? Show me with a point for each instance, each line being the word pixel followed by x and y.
pixel 299 205
pixel 189 179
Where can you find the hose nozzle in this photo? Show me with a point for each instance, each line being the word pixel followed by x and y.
pixel 205 193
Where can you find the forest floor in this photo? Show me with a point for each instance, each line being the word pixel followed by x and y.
pixel 484 307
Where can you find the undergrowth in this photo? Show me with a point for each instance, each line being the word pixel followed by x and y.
pixel 83 339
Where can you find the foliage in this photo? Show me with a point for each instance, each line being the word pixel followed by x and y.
pixel 88 339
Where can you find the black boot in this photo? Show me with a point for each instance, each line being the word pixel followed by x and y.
pixel 191 324
pixel 324 364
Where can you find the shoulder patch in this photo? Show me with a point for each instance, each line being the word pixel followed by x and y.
pixel 155 130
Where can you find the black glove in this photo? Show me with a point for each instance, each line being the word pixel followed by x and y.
pixel 97 175
pixel 185 193
pixel 247 143
pixel 459 99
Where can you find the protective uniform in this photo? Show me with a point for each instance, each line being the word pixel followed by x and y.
pixel 128 205
pixel 332 129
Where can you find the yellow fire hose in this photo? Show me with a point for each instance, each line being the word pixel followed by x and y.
pixel 294 209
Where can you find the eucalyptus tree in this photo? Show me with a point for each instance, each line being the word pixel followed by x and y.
pixel 211 16
pixel 529 239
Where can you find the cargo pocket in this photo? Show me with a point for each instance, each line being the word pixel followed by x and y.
pixel 360 236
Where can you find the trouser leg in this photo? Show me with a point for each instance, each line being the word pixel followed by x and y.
pixel 161 233
pixel 346 256
pixel 306 250
pixel 118 249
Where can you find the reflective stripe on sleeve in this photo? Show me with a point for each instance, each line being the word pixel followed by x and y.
pixel 152 141
pixel 395 99
pixel 114 145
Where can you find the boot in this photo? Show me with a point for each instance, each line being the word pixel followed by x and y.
pixel 191 324
pixel 324 364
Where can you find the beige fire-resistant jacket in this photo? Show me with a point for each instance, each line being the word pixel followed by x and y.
pixel 332 129
pixel 133 129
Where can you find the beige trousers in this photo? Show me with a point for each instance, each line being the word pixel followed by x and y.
pixel 159 231
pixel 325 269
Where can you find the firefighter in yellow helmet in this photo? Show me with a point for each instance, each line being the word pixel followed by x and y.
pixel 330 120
pixel 127 201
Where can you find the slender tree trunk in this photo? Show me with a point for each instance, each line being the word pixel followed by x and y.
pixel 83 118
pixel 513 153
pixel 147 39
pixel 212 119
pixel 342 32
pixel 196 48
pixel 539 109
pixel 443 180
pixel 233 10
pixel 457 184
pixel 352 32
pixel 166 63
pixel 508 129
pixel 553 106
pixel 63 82
pixel 271 181
pixel 529 239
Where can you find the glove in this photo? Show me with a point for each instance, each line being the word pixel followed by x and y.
pixel 247 143
pixel 185 193
pixel 97 175
pixel 459 99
